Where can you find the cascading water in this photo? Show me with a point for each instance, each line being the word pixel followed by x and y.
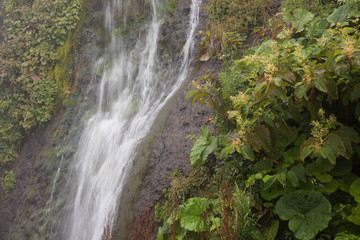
pixel 132 93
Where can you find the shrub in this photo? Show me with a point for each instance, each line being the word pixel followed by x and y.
pixel 295 116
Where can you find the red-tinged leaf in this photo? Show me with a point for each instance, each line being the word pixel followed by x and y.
pixel 205 57
pixel 255 142
pixel 335 143
pixel 276 32
pixel 34 77
pixel 259 87
pixel 284 128
pixel 264 134
pixel 286 75
pixel 211 103
pixel 347 144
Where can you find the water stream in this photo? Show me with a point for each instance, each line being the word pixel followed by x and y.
pixel 133 90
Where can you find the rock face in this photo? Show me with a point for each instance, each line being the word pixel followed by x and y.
pixel 171 148
pixel 24 169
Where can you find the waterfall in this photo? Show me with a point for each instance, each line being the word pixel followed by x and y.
pixel 133 90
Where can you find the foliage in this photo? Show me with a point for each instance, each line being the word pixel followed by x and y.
pixel 9 181
pixel 306 215
pixel 203 146
pixel 355 190
pixel 294 116
pixel 237 15
pixel 230 22
pixel 34 30
pixel 171 5
pixel 228 216
pixel 345 236
pixel 317 7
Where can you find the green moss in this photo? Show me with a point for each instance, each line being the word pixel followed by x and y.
pixel 9 181
pixel 31 194
pixel 62 69
pixel 69 103
pixel 52 154
pixel 171 5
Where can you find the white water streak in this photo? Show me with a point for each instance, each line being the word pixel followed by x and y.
pixel 54 186
pixel 130 99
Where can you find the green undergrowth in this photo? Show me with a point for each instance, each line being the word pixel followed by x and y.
pixel 287 117
pixel 34 71
pixel 203 206
pixel 230 23
pixel 237 15
pixel 171 5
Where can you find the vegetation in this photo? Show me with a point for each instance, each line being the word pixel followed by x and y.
pixel 32 77
pixel 287 117
pixel 9 181
pixel 237 15
pixel 171 5
pixel 219 213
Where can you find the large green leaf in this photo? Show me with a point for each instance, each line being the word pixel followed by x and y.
pixel 273 192
pixel 320 84
pixel 211 147
pixel 205 131
pixel 324 177
pixel 292 155
pixel 300 90
pixel 299 18
pixel 293 179
pixel 335 143
pixel 328 153
pixel 342 167
pixel 271 231
pixel 331 186
pixel 350 133
pixel 295 174
pixel 191 215
pixel 247 152
pixel 268 181
pixel 321 165
pixel 332 88
pixel 354 217
pixel 318 26
pixel 355 93
pixel 197 150
pixel 307 215
pixel 346 181
pixel 203 146
pixel 355 190
pixel 340 15
pixel 305 152
pixel 347 144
